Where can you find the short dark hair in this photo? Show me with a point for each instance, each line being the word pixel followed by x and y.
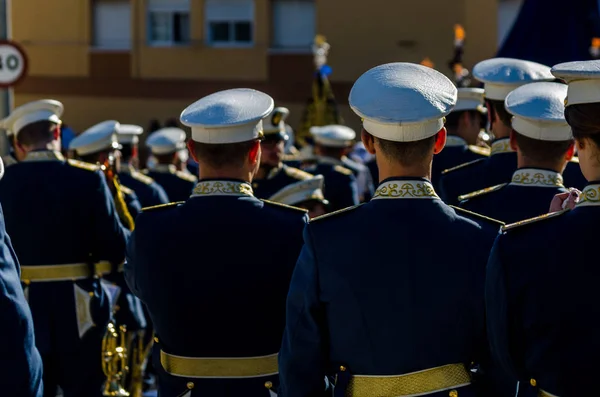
pixel 127 150
pixel 584 120
pixel 407 153
pixel 164 158
pixel 497 107
pixel 223 155
pixel 453 118
pixel 40 131
pixel 329 151
pixel 92 158
pixel 542 151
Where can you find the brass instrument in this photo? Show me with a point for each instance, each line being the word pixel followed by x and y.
pixel 114 360
pixel 121 206
pixel 139 355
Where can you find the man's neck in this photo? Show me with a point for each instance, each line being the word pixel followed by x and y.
pixel 524 162
pixel 40 146
pixel 393 170
pixel 501 130
pixel 242 175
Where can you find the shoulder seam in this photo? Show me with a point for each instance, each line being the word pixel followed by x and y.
pixel 186 176
pixel 343 210
pixel 475 214
pixel 463 165
pixel 297 173
pixel 481 192
pixel 290 207
pixel 529 221
pixel 342 170
pixel 142 178
pixel 162 206
pixel 83 165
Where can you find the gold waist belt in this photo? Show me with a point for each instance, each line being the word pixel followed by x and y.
pixel 432 380
pixel 73 271
pixel 228 367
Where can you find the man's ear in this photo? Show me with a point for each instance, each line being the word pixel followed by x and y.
pixel 570 152
pixel 368 140
pixel 513 140
pixel 254 154
pixel 56 132
pixel 440 141
pixel 192 149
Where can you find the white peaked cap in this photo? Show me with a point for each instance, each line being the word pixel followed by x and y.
pixel 470 99
pixel 166 141
pixel 228 116
pixel 129 133
pixel 99 137
pixel 296 193
pixel 275 121
pixel 333 135
pixel 502 75
pixel 32 112
pixel 539 112
pixel 403 102
pixel 583 78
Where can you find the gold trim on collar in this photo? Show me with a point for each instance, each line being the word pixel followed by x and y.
pixel 44 155
pixel 536 178
pixel 453 141
pixel 590 196
pixel 222 188
pixel 501 146
pixel 406 189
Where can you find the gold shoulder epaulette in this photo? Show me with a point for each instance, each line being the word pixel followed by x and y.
pixel 334 213
pixel 575 159
pixel 126 190
pixel 297 173
pixel 186 176
pixel 289 207
pixel 476 215
pixel 533 220
pixel 84 165
pixel 162 206
pixel 458 167
pixel 481 192
pixel 141 177
pixel 145 171
pixel 483 151
pixel 290 157
pixel 342 170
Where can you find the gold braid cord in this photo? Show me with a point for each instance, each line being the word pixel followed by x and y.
pixel 122 210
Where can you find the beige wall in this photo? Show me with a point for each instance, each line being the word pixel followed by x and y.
pixel 55 35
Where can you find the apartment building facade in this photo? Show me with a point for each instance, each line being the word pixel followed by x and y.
pixel 137 60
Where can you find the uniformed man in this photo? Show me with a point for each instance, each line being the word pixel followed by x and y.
pixel 165 145
pixel 307 194
pixel 543 142
pixel 98 146
pixel 541 287
pixel 463 125
pixel 400 312
pixel 20 361
pixel 500 76
pixel 62 221
pixel 216 301
pixel 332 142
pixel 148 191
pixel 273 175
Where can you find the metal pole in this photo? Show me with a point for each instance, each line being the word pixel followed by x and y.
pixel 6 93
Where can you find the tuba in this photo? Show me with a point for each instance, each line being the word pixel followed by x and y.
pixel 139 360
pixel 114 361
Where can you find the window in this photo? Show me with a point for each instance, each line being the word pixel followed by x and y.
pixel 293 24
pixel 112 25
pixel 229 22
pixel 168 22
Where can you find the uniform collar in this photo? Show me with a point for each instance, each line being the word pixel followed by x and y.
pixel 328 160
pixel 405 188
pixel 501 146
pixel 536 177
pixel 214 187
pixel 455 141
pixel 44 155
pixel 590 195
pixel 165 168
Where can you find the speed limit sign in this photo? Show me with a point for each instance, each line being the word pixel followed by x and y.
pixel 13 64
